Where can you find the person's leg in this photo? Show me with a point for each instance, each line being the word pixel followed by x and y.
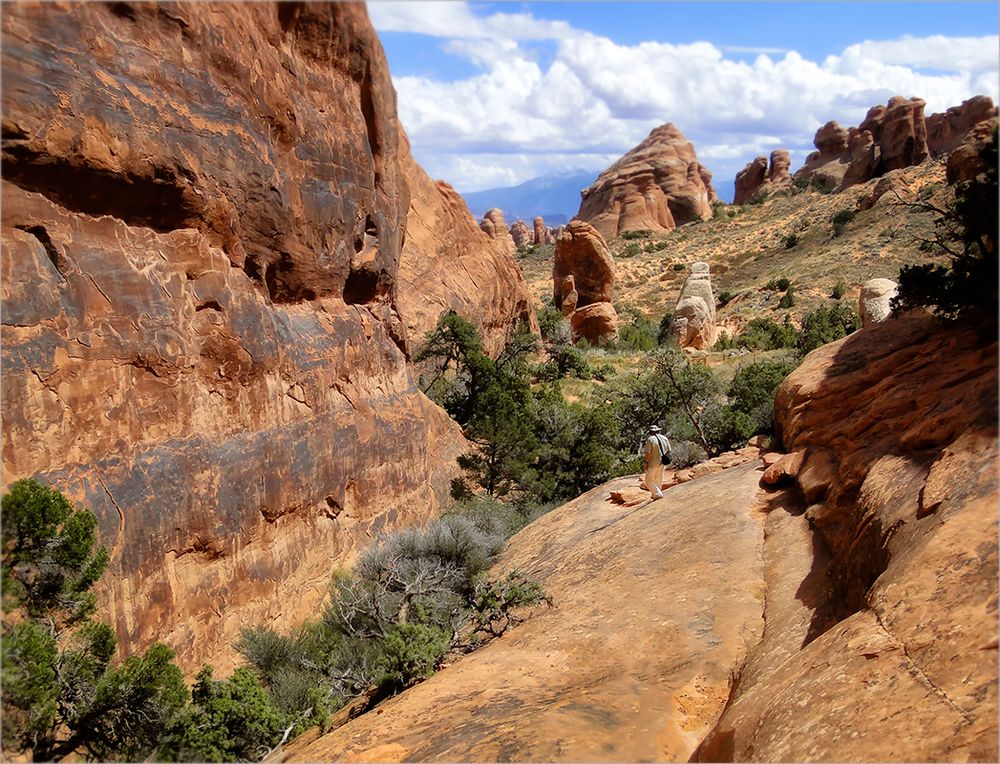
pixel 654 487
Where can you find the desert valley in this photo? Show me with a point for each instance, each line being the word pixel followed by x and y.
pixel 303 461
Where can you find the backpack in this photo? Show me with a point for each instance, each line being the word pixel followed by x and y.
pixel 664 455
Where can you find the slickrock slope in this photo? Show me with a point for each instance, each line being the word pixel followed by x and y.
pixel 449 263
pixel 203 210
pixel 656 186
pixel 897 425
pixel 655 605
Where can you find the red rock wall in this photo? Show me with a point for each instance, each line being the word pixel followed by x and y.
pixel 449 263
pixel 203 212
pixel 896 427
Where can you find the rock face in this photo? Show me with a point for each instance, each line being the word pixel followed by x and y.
pixel 875 299
pixel 947 131
pixel 891 188
pixel 890 137
pixel 694 315
pixel 583 274
pixel 521 234
pixel 898 427
pixel 495 227
pixel 759 178
pixel 964 163
pixel 449 263
pixel 630 664
pixel 203 210
pixel 656 186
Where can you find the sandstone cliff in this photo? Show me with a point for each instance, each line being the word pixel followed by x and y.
pixel 203 214
pixel 850 615
pixel 656 186
pixel 449 263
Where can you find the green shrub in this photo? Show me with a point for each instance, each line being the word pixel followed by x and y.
pixel 840 220
pixel 825 325
pixel 678 266
pixel 685 454
pixel 790 241
pixel 724 298
pixel 410 652
pixel 661 245
pixel 778 285
pixel 632 249
pixel 787 299
pixel 639 334
pixel 641 234
pixel 495 604
pixel 838 290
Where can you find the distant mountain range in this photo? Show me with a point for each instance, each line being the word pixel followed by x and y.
pixel 556 197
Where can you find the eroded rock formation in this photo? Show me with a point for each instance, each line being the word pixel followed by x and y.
pixel 542 235
pixel 449 263
pixel 495 226
pixel 896 428
pixel 694 315
pixel 964 163
pixel 947 131
pixel 203 210
pixel 760 178
pixel 583 274
pixel 521 234
pixel 656 186
pixel 874 304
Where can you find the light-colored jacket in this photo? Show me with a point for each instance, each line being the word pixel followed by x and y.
pixel 652 447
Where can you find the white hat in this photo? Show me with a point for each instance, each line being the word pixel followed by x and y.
pixel 654 428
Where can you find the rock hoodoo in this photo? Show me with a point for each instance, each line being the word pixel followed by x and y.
pixel 874 302
pixel 760 178
pixel 964 163
pixel 495 227
pixel 521 234
pixel 584 268
pixel 694 315
pixel 542 235
pixel 202 339
pixel 656 186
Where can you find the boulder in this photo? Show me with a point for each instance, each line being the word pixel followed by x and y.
pixel 521 234
pixel 891 188
pixel 875 299
pixel 656 186
pixel 569 296
pixel 947 131
pixel 494 225
pixel 597 323
pixel 582 253
pixel 694 315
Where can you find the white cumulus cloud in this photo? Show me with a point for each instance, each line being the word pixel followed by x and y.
pixel 516 118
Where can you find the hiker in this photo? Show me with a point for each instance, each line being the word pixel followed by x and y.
pixel 656 451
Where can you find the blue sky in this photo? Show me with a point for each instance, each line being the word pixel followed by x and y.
pixel 492 94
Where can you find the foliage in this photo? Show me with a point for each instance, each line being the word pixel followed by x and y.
pixel 564 358
pixel 838 291
pixel 724 297
pixel 762 334
pixel 840 219
pixel 825 325
pixel 966 231
pixel 549 319
pixel 641 234
pixel 638 334
pixel 411 651
pixel 778 285
pixel 790 241
pixel 787 299
pixel 686 454
pixel 495 604
pixel 663 334
pixel 631 249
pixel 232 720
pixel 678 266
